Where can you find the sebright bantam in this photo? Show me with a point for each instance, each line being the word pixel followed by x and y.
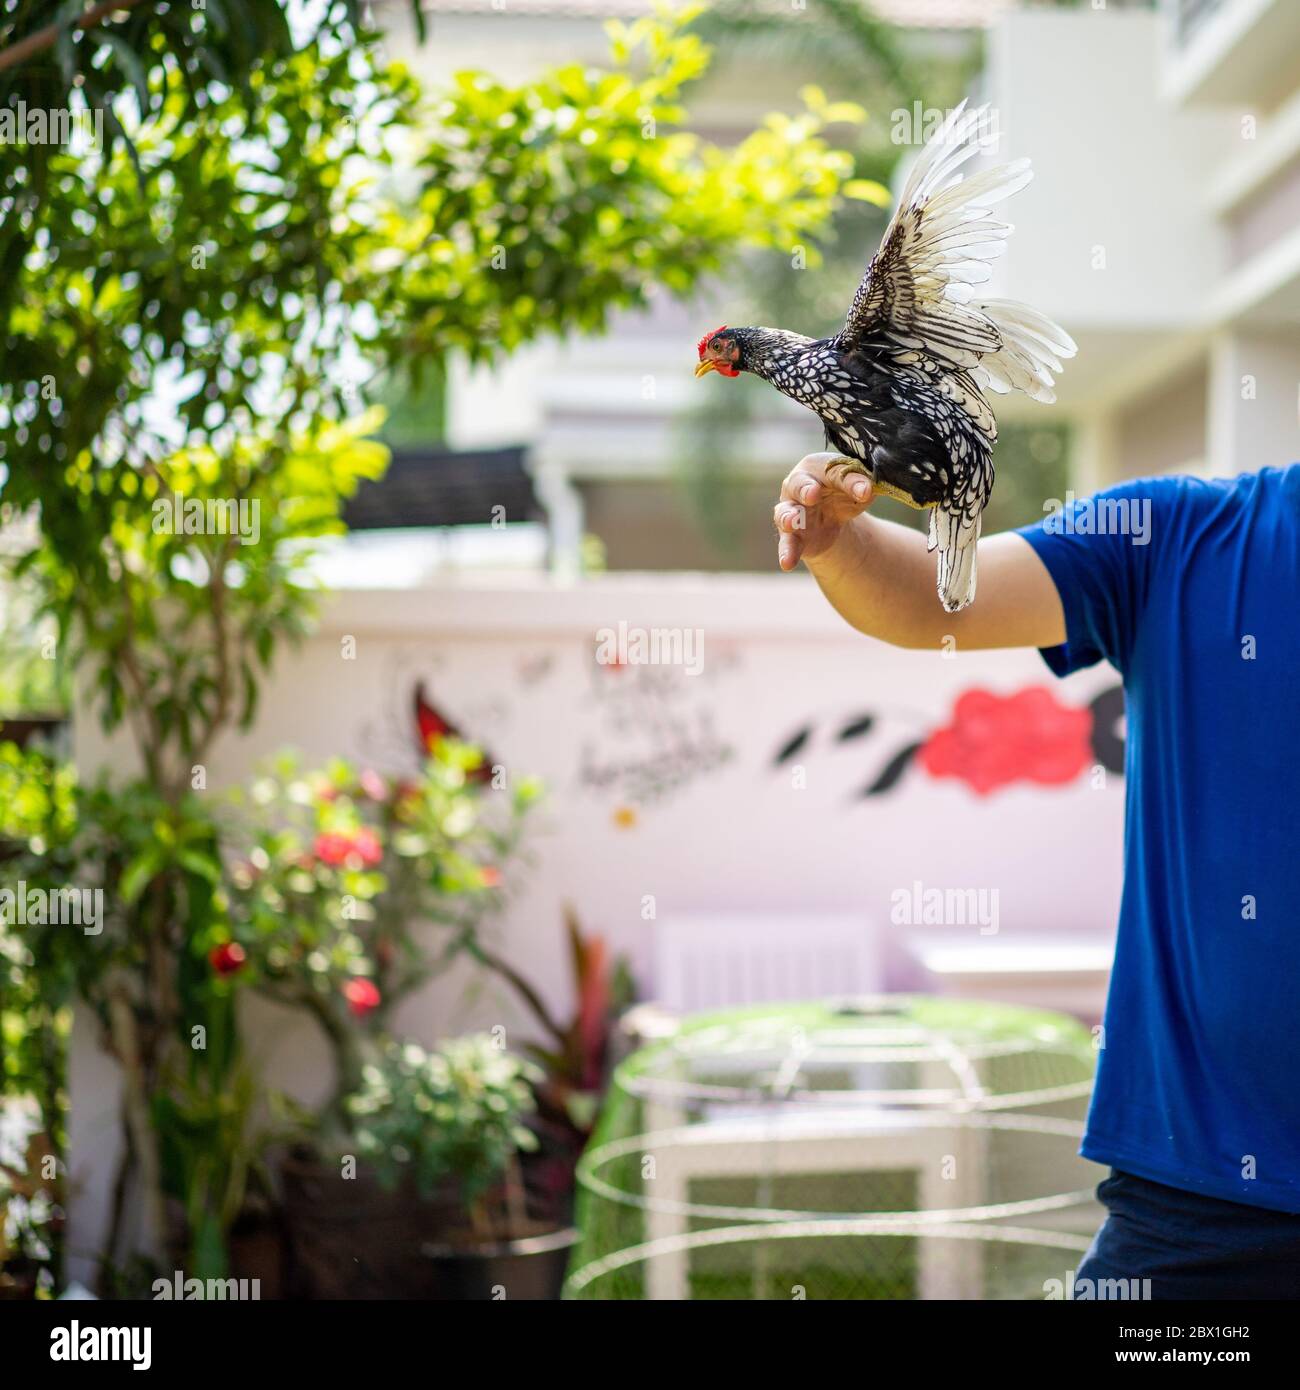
pixel 900 388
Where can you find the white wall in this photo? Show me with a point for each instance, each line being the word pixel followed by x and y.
pixel 516 669
pixel 1254 402
pixel 1115 168
pixel 1115 237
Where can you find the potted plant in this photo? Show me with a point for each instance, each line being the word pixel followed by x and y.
pixel 31 1216
pixel 459 1113
pixel 349 890
pixel 574 1056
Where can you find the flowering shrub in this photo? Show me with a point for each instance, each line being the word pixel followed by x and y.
pixel 454 1113
pixel 339 873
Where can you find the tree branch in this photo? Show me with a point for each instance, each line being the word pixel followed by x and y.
pixel 41 39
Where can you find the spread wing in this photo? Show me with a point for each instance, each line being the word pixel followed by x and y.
pixel 916 301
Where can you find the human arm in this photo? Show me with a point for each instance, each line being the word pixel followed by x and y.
pixel 879 576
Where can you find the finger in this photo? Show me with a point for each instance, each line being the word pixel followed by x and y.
pixel 860 489
pixel 816 464
pixel 849 481
pixel 802 487
pixel 788 551
pixel 789 517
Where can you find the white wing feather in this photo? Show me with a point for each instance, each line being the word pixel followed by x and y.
pixel 918 302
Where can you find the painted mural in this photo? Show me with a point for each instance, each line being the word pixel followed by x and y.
pixel 989 741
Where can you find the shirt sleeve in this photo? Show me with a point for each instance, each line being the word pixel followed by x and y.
pixel 1100 552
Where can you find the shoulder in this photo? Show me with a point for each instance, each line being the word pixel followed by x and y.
pixel 1184 501
pixel 1139 509
pixel 1195 490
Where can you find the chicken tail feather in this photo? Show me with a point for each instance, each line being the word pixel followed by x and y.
pixel 956 537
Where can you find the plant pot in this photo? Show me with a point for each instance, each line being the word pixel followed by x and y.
pixel 530 1268
pixel 18 1280
pixel 353 1239
pixel 256 1244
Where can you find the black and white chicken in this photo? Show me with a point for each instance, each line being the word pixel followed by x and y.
pixel 900 388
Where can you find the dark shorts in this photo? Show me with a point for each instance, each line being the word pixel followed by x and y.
pixel 1187 1246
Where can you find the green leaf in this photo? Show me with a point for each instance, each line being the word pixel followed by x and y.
pixel 138 875
pixel 868 191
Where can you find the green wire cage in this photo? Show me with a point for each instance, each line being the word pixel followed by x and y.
pixel 891 1148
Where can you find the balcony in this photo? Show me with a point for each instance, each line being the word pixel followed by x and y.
pixel 1230 52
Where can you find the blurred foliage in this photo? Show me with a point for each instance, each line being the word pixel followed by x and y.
pixel 1032 460
pixel 176 625
pixel 147 57
pixel 179 319
pixel 456 1112
pixel 238 274
pixel 337 876
pixel 210 1153
pixel 415 414
pixel 153 865
pixel 34 674
pixel 37 807
pixel 544 206
pixel 281 891
pixel 37 810
pixel 201 299
pixel 37 796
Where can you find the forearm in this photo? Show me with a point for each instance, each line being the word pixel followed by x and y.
pixel 879 576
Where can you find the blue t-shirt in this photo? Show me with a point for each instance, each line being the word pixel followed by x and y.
pixel 1191 590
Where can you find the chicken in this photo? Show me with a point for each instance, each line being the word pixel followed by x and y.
pixel 900 388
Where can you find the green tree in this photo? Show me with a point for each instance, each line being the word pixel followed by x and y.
pixel 189 312
pixel 72 70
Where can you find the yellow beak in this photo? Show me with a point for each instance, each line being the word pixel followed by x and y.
pixel 705 368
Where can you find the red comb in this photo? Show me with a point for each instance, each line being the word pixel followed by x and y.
pixel 703 343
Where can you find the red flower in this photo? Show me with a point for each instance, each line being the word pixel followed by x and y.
pixel 362 996
pixel 490 876
pixel 366 844
pixel 332 848
pixel 994 741
pixel 228 958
